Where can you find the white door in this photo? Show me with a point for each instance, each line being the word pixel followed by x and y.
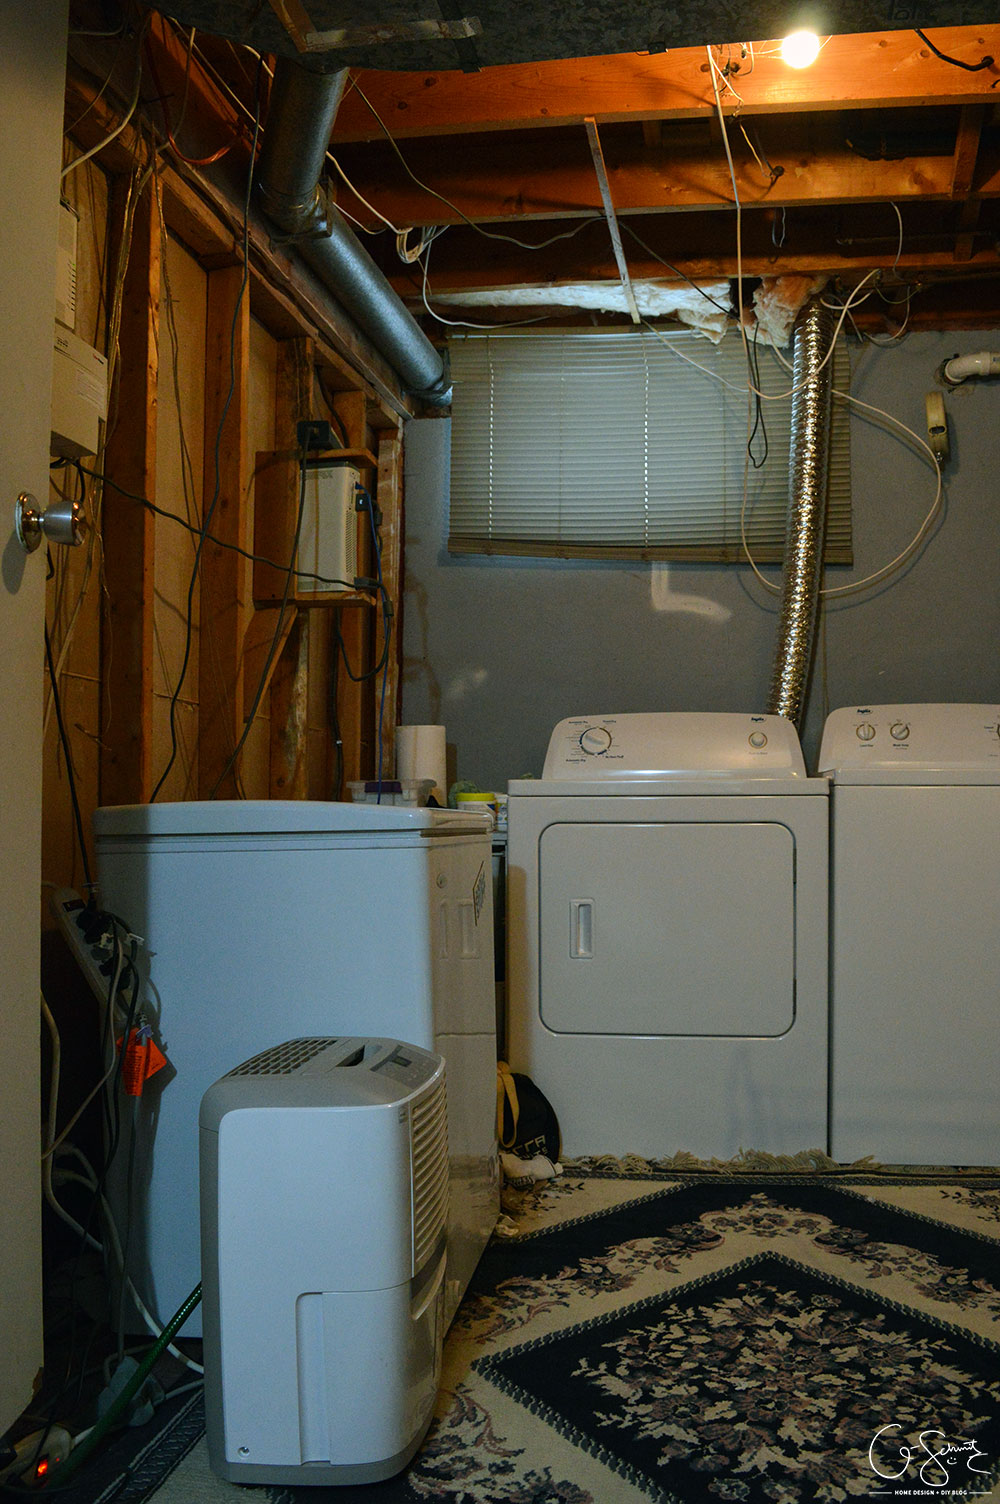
pixel 668 928
pixel 32 79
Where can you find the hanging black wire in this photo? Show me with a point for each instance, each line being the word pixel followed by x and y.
pixel 986 62
pixel 70 774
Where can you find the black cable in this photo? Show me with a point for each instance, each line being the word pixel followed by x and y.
pixel 67 753
pixel 722 307
pixel 753 362
pixel 210 510
pixel 244 553
pixel 987 62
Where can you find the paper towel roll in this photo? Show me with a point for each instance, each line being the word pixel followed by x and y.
pixel 421 752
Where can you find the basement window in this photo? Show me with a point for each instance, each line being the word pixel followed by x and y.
pixel 614 444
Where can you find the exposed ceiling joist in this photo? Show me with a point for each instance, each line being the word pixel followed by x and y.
pixel 890 70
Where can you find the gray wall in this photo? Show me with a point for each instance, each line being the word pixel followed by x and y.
pixel 499 650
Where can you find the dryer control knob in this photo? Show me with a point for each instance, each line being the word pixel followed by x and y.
pixel 595 740
pixel 900 731
pixel 866 732
pixel 757 739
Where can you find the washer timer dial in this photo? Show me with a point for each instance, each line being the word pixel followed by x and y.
pixel 595 740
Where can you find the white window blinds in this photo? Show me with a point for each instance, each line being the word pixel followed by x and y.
pixel 587 442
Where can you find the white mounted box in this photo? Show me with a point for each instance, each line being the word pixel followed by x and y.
pixel 79 395
pixel 328 538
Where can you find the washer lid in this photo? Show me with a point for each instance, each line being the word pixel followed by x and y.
pixel 671 745
pixel 912 744
pixel 293 817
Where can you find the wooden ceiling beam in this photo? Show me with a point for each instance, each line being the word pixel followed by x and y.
pixel 501 182
pixel 879 70
pixel 703 247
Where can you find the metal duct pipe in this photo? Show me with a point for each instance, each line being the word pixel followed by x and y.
pixel 299 122
pixel 812 383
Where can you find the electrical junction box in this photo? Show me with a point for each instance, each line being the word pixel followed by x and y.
pixel 328 537
pixel 79 395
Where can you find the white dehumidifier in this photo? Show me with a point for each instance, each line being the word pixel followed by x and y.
pixel 324 1206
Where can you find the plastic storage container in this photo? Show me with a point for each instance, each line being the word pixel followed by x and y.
pixel 411 791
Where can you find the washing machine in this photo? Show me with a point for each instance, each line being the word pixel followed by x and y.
pixel 667 935
pixel 265 920
pixel 915 933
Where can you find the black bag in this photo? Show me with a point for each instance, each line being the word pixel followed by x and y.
pixel 526 1122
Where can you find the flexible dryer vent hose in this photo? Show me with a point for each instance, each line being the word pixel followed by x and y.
pixel 808 465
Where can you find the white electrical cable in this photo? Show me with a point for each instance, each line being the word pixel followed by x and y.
pixel 886 569
pixel 49 1148
pixel 133 105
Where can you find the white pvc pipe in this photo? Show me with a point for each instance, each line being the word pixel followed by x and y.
pixel 960 367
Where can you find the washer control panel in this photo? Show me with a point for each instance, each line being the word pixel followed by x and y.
pixel 923 738
pixel 674 744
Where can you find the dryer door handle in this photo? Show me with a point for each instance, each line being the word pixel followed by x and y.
pixel 581 929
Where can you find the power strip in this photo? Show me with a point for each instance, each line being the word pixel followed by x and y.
pixel 36 1455
pixel 91 938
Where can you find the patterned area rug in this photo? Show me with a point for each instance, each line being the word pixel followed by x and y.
pixel 691 1338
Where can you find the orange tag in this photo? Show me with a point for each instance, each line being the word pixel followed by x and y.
pixel 143 1058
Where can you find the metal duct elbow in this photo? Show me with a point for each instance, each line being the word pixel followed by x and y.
pixel 300 119
pixel 808 465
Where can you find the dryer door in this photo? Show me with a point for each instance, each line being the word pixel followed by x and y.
pixel 667 929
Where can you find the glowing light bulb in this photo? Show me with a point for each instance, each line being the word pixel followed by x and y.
pixel 800 48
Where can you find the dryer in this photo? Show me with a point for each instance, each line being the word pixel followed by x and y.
pixel 667 935
pixel 915 943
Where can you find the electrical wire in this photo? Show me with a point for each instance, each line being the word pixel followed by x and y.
pixel 986 62
pixel 265 672
pixel 54 1144
pixel 885 570
pixel 723 307
pixel 466 323
pixel 67 753
pixel 244 553
pixel 210 510
pixel 132 107
pixel 161 95
pixel 526 245
pixel 386 627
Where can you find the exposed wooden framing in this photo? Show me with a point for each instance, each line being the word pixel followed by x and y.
pixel 209 222
pixel 970 128
pixel 884 70
pixel 296 21
pixel 356 700
pixel 607 201
pixel 289 687
pixel 390 481
pixel 126 773
pixel 486 180
pixel 289 703
pixel 189 99
pixel 223 576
